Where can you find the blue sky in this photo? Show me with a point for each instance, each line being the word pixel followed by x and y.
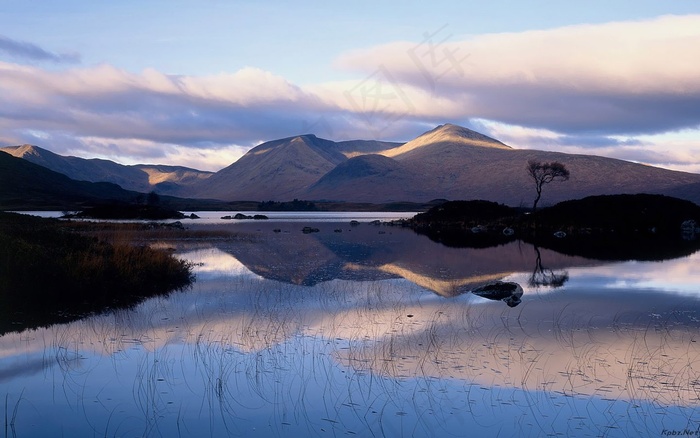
pixel 199 83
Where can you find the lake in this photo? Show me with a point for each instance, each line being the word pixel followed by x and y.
pixel 370 330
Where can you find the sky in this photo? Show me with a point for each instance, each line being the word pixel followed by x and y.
pixel 199 83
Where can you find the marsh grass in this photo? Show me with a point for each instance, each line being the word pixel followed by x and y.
pixel 136 233
pixel 49 273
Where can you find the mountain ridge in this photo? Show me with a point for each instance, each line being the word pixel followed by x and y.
pixel 447 162
pixel 162 179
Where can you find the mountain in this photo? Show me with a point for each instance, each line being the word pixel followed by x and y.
pixel 444 136
pixel 168 180
pixel 447 162
pixel 25 184
pixel 456 163
pixel 281 170
pixel 354 148
pixel 359 177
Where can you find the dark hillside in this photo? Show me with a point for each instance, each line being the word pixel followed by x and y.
pixel 24 184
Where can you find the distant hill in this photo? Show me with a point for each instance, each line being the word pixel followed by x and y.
pixel 25 184
pixel 167 180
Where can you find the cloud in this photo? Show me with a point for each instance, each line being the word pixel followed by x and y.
pixel 107 102
pixel 675 151
pixel 615 78
pixel 151 110
pixel 572 89
pixel 28 51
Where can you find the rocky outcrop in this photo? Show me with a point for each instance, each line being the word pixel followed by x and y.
pixel 505 291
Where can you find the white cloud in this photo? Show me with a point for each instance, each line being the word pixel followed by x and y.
pixel 622 77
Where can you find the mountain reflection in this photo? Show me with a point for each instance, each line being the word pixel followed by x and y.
pixel 369 252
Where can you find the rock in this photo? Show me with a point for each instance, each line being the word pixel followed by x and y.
pixel 506 291
pixel 193 216
pixel 307 230
pixel 689 230
pixel 354 223
pixel 260 217
pixel 226 217
pixel 337 230
pixel 242 216
pixel 376 222
pixel 176 224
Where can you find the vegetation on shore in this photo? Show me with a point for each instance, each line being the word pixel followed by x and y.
pixel 49 273
pixel 640 226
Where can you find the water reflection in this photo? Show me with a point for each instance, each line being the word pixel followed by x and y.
pixel 374 253
pixel 259 349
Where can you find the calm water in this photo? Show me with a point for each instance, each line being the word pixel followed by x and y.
pixel 372 331
pixel 215 217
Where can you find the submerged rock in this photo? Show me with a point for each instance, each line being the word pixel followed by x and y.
pixel 506 291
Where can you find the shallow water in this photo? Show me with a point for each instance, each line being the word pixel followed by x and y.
pixel 372 331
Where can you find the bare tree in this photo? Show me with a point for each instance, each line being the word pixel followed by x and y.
pixel 544 173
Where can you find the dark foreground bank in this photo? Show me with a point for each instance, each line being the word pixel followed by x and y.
pixel 51 274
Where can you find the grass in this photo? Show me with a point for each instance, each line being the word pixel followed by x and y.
pixel 50 273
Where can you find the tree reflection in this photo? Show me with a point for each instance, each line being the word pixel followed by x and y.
pixel 542 276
